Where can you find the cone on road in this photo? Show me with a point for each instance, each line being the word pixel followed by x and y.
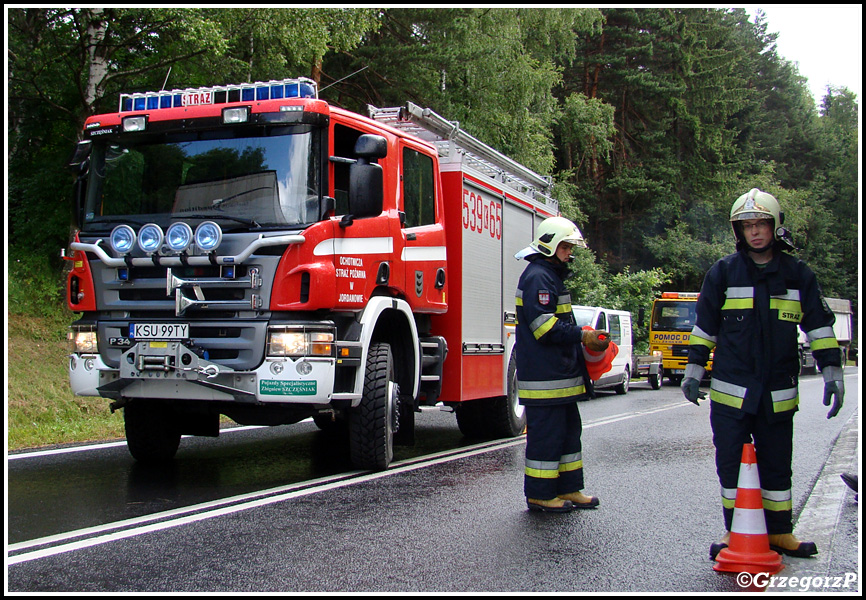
pixel 748 550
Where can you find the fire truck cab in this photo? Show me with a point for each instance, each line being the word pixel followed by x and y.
pixel 254 252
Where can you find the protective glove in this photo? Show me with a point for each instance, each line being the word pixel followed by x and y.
pixel 691 385
pixel 596 339
pixel 834 385
pixel 691 390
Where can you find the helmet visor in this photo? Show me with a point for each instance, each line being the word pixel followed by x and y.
pixel 575 239
pixel 745 216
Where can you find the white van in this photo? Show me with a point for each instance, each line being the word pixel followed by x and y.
pixel 618 323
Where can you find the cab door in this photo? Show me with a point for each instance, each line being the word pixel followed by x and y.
pixel 365 250
pixel 423 255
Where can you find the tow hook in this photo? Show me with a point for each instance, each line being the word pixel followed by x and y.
pixel 209 371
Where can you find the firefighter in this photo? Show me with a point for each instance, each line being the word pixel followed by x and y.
pixel 748 311
pixel 551 372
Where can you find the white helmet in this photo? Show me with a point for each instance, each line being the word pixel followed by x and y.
pixel 756 204
pixel 550 233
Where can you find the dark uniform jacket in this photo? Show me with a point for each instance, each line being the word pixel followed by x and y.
pixel 550 364
pixel 749 315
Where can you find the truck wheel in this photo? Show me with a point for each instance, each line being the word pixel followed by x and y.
pixel 373 423
pixel 470 419
pixel 508 418
pixel 655 381
pixel 622 388
pixel 152 434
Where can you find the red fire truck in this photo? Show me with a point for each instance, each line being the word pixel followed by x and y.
pixel 254 252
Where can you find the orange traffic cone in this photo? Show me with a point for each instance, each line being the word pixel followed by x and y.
pixel 749 548
pixel 599 363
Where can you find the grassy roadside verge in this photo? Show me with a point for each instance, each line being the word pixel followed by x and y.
pixel 41 409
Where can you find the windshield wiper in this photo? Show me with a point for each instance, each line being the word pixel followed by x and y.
pixel 220 201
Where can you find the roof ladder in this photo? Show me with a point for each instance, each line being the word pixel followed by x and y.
pixel 427 125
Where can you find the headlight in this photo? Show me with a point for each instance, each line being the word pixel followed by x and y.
pixel 240 114
pixel 287 343
pixel 122 239
pixel 82 341
pixel 300 343
pixel 178 237
pixel 138 123
pixel 150 238
pixel 208 236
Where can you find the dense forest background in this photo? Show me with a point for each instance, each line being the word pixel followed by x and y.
pixel 651 121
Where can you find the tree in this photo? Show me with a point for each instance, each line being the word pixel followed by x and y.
pixel 482 67
pixel 839 187
pixel 671 75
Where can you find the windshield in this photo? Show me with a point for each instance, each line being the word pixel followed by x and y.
pixel 673 315
pixel 267 178
pixel 583 316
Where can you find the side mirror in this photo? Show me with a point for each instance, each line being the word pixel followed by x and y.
pixel 366 179
pixel 80 156
pixel 366 190
pixel 371 146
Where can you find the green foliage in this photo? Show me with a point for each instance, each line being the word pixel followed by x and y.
pixel 39 289
pixel 41 409
pixel 481 67
pixel 591 285
pixel 686 256
pixel 279 43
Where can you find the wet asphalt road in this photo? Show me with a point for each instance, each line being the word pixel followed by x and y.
pixel 280 510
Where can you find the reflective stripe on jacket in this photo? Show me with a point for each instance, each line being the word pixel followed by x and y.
pixel 748 315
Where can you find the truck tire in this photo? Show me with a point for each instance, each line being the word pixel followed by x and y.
pixel 622 388
pixel 470 418
pixel 489 418
pixel 508 417
pixel 152 432
pixel 655 381
pixel 373 423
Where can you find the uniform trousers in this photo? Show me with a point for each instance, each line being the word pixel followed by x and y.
pixel 554 464
pixel 774 443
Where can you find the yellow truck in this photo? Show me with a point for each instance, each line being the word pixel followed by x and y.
pixel 671 321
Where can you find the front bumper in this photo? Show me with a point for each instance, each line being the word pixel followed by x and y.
pixel 170 370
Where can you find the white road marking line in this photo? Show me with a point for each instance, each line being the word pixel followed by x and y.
pixel 226 506
pixel 101 445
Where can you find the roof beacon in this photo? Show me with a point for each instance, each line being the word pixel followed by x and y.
pixel 300 87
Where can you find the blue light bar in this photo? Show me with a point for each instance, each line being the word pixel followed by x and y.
pixel 299 87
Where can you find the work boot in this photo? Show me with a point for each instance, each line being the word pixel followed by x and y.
pixel 720 545
pixel 581 500
pixel 552 505
pixel 787 543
